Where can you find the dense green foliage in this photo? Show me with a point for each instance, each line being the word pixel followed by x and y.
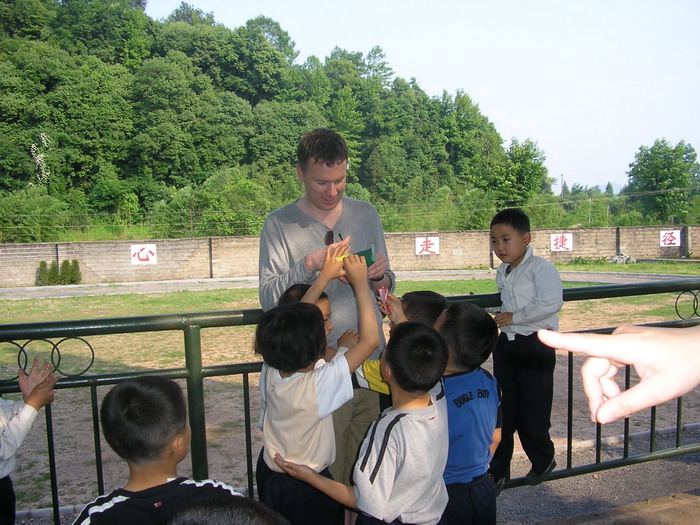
pixel 112 121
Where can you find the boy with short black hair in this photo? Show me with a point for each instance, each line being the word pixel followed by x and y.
pixel 398 474
pixel 300 390
pixel 144 420
pixel 531 295
pixel 423 306
pixel 473 408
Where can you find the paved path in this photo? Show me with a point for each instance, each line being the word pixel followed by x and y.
pixel 43 292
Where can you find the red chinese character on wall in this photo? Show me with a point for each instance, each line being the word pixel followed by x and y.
pixel 669 239
pixel 560 242
pixel 426 246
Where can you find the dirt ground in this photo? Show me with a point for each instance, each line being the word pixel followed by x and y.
pixel 74 438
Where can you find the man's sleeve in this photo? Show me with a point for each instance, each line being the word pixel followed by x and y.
pixel 381 247
pixel 276 272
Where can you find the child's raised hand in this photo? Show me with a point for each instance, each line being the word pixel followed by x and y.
pixel 27 382
pixel 355 269
pixel 333 267
pixel 395 311
pixel 348 339
pixel 42 394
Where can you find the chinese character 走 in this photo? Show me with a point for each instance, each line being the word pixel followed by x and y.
pixel 426 246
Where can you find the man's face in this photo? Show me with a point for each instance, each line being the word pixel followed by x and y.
pixel 324 185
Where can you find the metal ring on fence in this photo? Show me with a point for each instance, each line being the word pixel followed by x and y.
pixel 56 358
pixel 694 303
pixel 92 356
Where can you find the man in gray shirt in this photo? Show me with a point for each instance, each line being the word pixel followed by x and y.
pixel 292 249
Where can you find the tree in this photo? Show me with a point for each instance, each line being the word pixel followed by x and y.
pixel 191 15
pixel 662 180
pixel 277 36
pixel 526 166
pixel 116 31
pixel 26 18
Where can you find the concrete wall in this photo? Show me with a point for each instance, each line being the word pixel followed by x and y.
pixel 220 257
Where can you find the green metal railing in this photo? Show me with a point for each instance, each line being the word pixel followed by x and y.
pixel 191 325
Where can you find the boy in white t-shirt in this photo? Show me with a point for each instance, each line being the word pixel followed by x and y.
pixel 300 391
pixel 398 474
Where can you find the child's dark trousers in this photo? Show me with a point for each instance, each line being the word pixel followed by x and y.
pixel 524 369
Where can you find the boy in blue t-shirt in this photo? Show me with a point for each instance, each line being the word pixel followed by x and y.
pixel 473 414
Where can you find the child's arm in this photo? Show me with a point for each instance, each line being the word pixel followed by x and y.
pixel 495 440
pixel 343 494
pixel 332 269
pixel 356 273
pixel 21 417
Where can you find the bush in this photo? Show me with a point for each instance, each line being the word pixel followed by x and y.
pixel 53 276
pixel 42 278
pixel 75 275
pixel 69 273
pixel 64 276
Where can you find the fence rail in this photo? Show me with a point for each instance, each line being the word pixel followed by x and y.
pixel 191 325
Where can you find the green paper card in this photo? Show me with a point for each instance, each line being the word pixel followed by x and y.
pixel 368 254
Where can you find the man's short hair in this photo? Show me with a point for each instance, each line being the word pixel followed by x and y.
pixel 226 510
pixel 291 337
pixel 513 217
pixel 295 293
pixel 416 355
pixel 424 306
pixel 323 146
pixel 470 334
pixel 141 417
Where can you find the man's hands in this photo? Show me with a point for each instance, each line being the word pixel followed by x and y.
pixel 314 260
pixel 378 268
pixel 37 386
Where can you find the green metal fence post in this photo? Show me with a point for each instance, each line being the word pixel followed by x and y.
pixel 195 400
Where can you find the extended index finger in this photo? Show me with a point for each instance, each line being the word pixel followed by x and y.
pixel 594 345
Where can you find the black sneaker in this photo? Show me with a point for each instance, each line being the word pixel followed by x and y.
pixel 534 478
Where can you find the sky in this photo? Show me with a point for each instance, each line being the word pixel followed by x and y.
pixel 590 82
